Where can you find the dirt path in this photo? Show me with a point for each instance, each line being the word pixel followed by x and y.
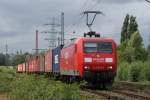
pixel 4 96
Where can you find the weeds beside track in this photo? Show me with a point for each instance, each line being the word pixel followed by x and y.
pixel 119 93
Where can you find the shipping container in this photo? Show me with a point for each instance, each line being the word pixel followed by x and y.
pixel 41 63
pixel 30 65
pixel 36 64
pixel 28 57
pixel 19 68
pixel 23 67
pixel 26 66
pixel 48 61
pixel 56 59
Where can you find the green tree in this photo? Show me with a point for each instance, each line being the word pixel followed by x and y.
pixel 148 51
pixel 136 43
pixel 132 27
pixel 2 59
pixel 124 29
pixel 136 40
pixel 129 27
pixel 18 58
pixel 131 48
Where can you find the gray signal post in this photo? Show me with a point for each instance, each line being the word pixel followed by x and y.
pixel 6 49
pixel 37 40
pixel 6 54
pixel 62 29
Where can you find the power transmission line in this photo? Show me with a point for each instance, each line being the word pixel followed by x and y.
pixel 53 33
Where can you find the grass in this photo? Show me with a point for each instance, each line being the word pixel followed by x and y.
pixel 38 87
pixel 6 77
pixel 35 87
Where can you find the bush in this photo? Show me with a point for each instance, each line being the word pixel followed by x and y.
pixel 145 73
pixel 6 76
pixel 135 71
pixel 33 87
pixel 123 71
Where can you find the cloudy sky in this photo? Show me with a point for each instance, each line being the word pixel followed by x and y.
pixel 20 18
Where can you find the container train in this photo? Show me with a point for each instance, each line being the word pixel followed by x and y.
pixel 91 59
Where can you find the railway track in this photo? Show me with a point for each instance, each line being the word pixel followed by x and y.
pixel 137 95
pixel 132 85
pixel 117 95
pixel 121 93
pixel 103 95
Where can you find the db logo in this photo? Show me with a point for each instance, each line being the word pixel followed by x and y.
pixel 97 55
pixel 56 59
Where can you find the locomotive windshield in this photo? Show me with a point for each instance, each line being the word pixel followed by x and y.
pixel 90 47
pixel 105 47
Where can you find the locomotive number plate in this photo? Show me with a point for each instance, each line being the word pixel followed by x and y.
pixel 98 59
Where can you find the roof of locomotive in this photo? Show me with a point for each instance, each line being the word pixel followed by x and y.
pixel 94 39
pixel 79 39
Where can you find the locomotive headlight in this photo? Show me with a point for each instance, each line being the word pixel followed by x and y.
pixel 110 67
pixel 108 60
pixel 86 67
pixel 87 59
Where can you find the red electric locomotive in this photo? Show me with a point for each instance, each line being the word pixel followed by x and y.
pixel 92 59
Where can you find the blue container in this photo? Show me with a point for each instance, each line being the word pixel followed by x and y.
pixel 56 60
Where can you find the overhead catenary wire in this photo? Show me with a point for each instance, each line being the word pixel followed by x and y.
pixel 147 1
pixel 81 9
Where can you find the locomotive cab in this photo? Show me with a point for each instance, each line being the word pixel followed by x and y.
pixel 99 56
pixel 99 59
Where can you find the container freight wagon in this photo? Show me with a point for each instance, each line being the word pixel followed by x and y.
pixel 19 68
pixel 31 65
pixel 48 61
pixel 34 64
pixel 41 63
pixel 27 59
pixel 23 67
pixel 56 60
pixel 26 66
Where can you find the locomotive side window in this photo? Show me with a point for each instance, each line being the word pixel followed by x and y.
pixel 105 47
pixel 90 47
